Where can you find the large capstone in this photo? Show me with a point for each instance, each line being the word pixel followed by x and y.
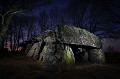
pixel 78 36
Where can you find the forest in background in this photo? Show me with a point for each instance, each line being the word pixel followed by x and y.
pixel 20 22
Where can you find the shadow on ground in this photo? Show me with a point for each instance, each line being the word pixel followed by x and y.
pixel 20 67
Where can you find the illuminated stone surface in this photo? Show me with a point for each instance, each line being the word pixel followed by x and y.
pixel 68 57
pixel 57 46
pixel 78 36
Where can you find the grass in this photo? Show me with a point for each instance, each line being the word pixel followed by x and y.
pixel 21 67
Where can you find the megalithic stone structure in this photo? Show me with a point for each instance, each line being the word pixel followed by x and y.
pixel 58 47
pixel 77 36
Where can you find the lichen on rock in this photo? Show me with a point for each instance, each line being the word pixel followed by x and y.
pixel 68 57
pixel 78 36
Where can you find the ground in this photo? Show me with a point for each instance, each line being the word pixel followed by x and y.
pixel 21 67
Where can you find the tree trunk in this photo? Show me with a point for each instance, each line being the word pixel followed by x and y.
pixel 4 27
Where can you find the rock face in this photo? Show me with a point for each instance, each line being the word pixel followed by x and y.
pixel 54 47
pixel 97 55
pixel 77 36
pixel 34 50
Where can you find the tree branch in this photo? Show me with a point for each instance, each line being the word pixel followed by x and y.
pixel 1 15
pixel 17 11
pixel 7 12
pixel 2 19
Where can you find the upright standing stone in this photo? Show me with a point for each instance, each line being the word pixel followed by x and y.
pixel 97 55
pixel 85 56
pixel 69 58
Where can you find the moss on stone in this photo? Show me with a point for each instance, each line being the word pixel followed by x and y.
pixel 69 57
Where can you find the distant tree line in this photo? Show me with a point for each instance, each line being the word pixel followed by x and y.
pixel 95 16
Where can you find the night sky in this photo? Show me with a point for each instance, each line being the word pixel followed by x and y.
pixel 62 5
pixel 113 4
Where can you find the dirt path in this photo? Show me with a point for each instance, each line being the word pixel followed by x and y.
pixel 20 67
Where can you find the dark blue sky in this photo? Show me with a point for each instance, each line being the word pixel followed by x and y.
pixel 63 4
pixel 60 3
pixel 115 5
pixel 55 4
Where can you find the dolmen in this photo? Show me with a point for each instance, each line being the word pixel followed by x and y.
pixel 64 46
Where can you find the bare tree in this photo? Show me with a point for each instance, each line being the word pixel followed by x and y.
pixel 42 21
pixel 20 27
pixel 76 11
pixel 10 7
pixel 100 20
pixel 56 16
